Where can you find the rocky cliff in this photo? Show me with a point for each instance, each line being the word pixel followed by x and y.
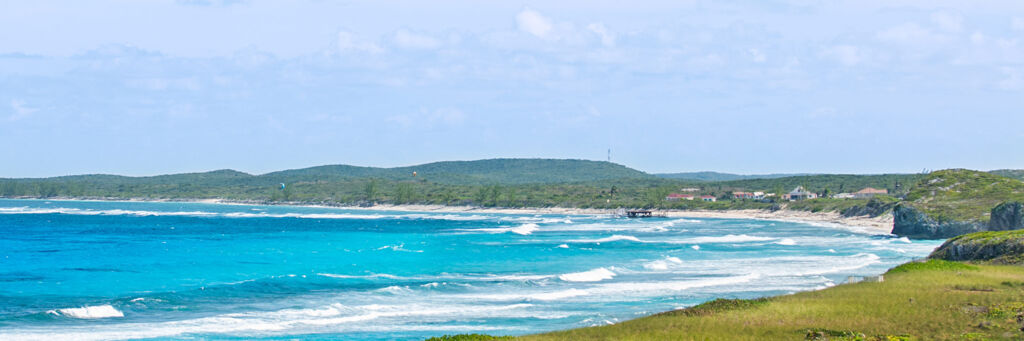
pixel 912 223
pixel 1007 216
pixel 996 247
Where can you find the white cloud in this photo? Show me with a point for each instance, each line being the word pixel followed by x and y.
pixel 21 110
pixel 1017 24
pixel 425 118
pixel 910 33
pixel 950 22
pixel 1014 79
pixel 411 40
pixel 848 55
pixel 347 41
pixel 607 38
pixel 534 23
pixel 757 56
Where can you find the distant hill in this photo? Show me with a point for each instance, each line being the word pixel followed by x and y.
pixel 491 171
pixel 1010 173
pixel 835 183
pixel 716 176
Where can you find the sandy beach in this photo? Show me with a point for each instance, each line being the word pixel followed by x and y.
pixel 881 224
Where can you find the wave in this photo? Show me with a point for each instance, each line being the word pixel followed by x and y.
pixel 729 238
pixel 613 238
pixel 336 318
pixel 88 312
pixel 448 277
pixel 535 296
pixel 253 213
pixel 399 247
pixel 523 230
pixel 595 275
pixel 662 264
pixel 854 262
pixel 786 241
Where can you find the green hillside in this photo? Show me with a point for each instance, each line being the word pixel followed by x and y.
pixel 1010 173
pixel 963 195
pixel 490 183
pixel 835 183
pixel 716 176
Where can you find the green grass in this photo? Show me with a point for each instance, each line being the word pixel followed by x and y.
pixel 990 237
pixel 932 265
pixel 933 300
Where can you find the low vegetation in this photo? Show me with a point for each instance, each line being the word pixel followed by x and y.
pixel 991 247
pixel 487 183
pixel 933 300
pixel 963 195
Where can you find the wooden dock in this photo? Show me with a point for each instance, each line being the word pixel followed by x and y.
pixel 639 214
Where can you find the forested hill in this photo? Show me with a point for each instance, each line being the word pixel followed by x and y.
pixel 479 172
pixel 716 176
pixel 1010 173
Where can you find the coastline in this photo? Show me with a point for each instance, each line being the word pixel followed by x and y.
pixel 880 225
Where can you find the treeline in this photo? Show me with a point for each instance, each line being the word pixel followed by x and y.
pixel 627 192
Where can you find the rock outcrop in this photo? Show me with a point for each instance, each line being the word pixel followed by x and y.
pixel 911 223
pixel 998 247
pixel 1007 216
pixel 873 208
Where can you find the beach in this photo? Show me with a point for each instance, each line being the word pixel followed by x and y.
pixel 881 224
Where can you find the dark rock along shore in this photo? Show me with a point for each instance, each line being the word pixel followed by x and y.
pixel 912 223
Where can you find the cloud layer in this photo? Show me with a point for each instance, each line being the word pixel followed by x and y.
pixel 672 86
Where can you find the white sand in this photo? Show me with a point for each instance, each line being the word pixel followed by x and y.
pixel 881 224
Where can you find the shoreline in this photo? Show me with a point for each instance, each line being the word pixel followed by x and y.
pixel 882 224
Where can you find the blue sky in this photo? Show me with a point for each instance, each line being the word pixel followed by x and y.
pixel 151 87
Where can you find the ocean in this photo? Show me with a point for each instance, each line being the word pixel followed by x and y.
pixel 101 270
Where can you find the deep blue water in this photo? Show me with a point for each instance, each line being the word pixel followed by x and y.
pixel 121 270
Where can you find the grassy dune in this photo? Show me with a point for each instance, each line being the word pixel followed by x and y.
pixel 937 300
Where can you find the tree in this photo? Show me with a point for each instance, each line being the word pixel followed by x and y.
pixel 404 193
pixel 370 191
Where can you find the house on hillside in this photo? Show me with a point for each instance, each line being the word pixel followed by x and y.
pixel 677 197
pixel 843 196
pixel 742 195
pixel 799 193
pixel 708 198
pixel 689 189
pixel 869 192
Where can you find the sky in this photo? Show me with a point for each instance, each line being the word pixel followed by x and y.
pixel 768 86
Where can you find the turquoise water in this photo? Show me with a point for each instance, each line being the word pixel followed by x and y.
pixel 122 270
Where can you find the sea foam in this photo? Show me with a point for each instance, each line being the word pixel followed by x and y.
pixel 595 275
pixel 89 312
pixel 613 238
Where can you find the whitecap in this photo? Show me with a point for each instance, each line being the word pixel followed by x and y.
pixel 608 239
pixel 786 241
pixel 662 264
pixel 729 238
pixel 89 312
pixel 595 275
pixel 399 247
